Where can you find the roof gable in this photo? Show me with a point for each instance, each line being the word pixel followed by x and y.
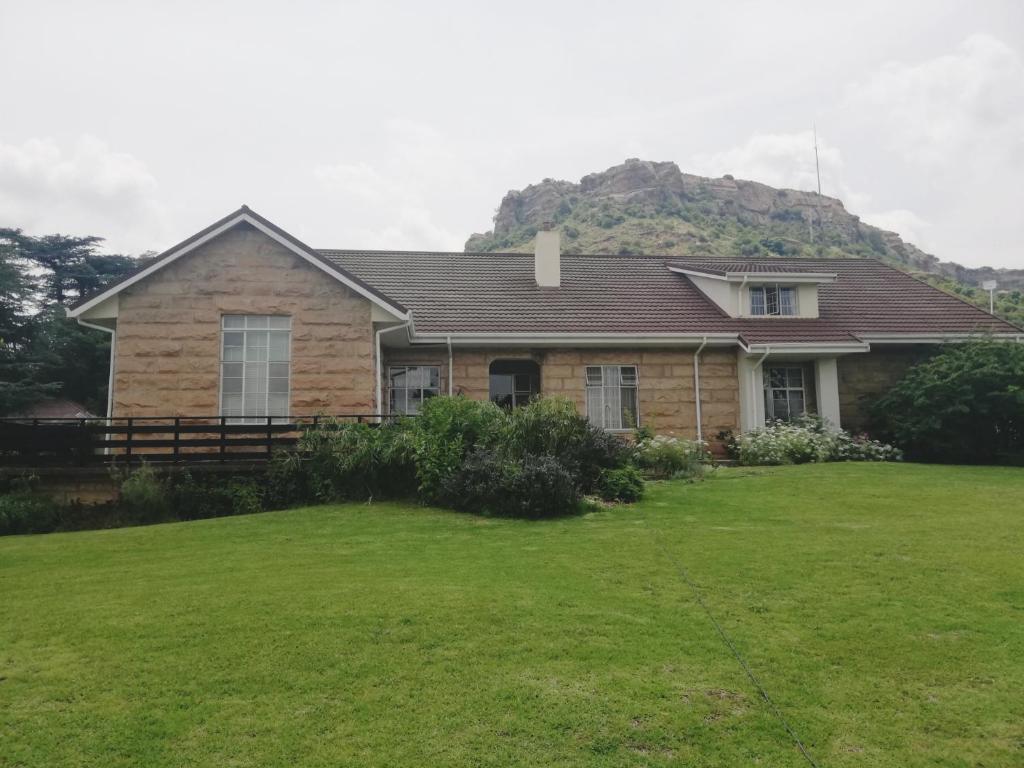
pixel 243 215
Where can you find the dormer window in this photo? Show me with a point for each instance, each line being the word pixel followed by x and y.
pixel 777 300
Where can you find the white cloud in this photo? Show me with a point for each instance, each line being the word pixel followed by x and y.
pixel 968 103
pixel 87 190
pixel 395 202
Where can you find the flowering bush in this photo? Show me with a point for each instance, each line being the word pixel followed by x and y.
pixel 663 456
pixel 808 440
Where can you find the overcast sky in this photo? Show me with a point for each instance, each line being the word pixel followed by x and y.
pixel 402 125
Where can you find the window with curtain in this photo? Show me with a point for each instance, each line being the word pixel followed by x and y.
pixel 612 396
pixel 255 368
pixel 409 386
pixel 784 395
pixel 772 300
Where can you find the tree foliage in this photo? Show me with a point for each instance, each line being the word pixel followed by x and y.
pixel 965 405
pixel 43 354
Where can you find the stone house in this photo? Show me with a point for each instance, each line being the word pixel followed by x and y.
pixel 244 321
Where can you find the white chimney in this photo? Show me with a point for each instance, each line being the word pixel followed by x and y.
pixel 547 258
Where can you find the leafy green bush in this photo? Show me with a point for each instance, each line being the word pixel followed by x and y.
pixel 144 494
pixel 553 427
pixel 965 405
pixel 357 461
pixel 808 440
pixel 666 457
pixel 446 430
pixel 26 512
pixel 623 484
pixel 214 495
pixel 532 486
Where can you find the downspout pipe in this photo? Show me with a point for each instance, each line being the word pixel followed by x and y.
pixel 451 384
pixel 696 387
pixel 110 374
pixel 113 351
pixel 380 364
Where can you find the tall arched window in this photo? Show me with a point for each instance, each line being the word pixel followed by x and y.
pixel 514 382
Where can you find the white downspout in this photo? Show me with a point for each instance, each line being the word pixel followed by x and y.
pixel 113 351
pixel 110 373
pixel 696 387
pixel 380 365
pixel 450 379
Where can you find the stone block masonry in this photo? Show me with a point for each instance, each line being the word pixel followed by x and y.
pixel 167 358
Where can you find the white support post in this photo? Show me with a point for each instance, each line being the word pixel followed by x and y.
pixel 826 382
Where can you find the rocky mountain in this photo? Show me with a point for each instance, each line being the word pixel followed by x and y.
pixel 643 207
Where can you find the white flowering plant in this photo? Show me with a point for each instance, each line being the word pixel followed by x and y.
pixel 666 456
pixel 808 440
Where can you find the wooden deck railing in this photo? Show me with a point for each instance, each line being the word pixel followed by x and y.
pixel 132 439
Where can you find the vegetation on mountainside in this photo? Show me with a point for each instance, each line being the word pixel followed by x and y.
pixel 642 208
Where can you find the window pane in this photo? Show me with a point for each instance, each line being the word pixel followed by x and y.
pixel 257 321
pixel 795 377
pixel 234 321
pixel 595 412
pixel 414 399
pixel 629 407
pixel 255 378
pixel 757 301
pixel 277 405
pixel 277 385
pixel 255 404
pixel 796 403
pixel 232 370
pixel 397 401
pixel 232 386
pixel 628 374
pixel 234 338
pixel 780 406
pixel 278 370
pixel 787 301
pixel 231 405
pixel 433 377
pixel 397 377
pixel 278 341
pixel 771 300
pixel 594 375
pixel 777 377
pixel 281 322
pixel 612 407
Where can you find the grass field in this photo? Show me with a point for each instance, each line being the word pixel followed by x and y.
pixel 881 607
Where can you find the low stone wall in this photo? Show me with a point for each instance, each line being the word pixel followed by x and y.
pixel 863 378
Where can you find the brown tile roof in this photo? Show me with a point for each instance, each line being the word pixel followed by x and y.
pixel 497 293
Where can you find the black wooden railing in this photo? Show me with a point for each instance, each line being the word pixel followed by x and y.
pixel 132 439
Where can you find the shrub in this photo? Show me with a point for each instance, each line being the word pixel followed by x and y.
pixel 669 457
pixel 965 405
pixel 553 427
pixel 531 486
pixel 353 461
pixel 144 495
pixel 446 430
pixel 623 484
pixel 26 512
pixel 808 440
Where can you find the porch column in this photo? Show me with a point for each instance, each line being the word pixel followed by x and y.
pixel 751 386
pixel 826 382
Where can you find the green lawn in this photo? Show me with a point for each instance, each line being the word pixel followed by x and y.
pixel 881 606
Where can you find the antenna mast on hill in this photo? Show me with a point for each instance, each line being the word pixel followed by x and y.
pixel 817 171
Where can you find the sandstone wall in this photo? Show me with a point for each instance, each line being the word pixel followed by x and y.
pixel 168 330
pixel 666 391
pixel 862 378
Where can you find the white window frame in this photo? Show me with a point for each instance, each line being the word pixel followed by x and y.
pixel 392 389
pixel 769 390
pixel 597 389
pixel 250 324
pixel 763 290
